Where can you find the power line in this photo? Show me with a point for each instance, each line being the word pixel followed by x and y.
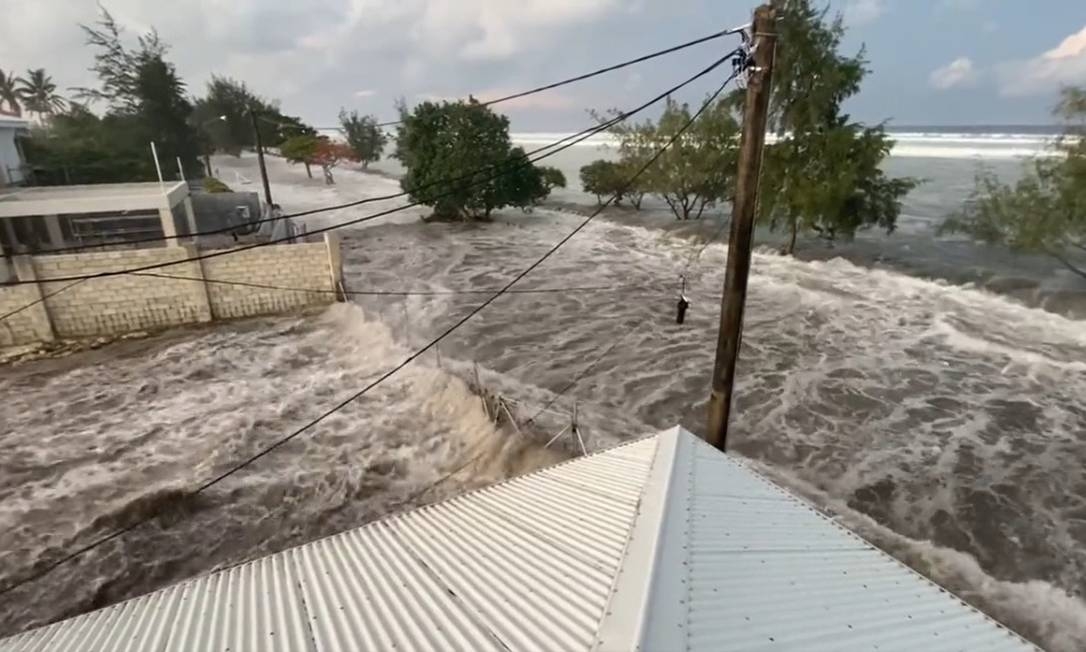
pixel 573 140
pixel 44 569
pixel 601 71
pixel 539 89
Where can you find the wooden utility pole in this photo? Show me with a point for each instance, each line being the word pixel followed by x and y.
pixel 260 157
pixel 756 108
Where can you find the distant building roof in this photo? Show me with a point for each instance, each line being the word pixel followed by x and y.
pixel 661 544
pixel 11 121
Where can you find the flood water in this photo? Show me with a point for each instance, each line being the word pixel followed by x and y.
pixel 945 422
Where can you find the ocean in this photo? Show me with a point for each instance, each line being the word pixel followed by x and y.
pixel 928 392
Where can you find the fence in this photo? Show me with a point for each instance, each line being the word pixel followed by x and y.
pixel 183 292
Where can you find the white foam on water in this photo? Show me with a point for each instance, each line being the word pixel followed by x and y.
pixel 946 413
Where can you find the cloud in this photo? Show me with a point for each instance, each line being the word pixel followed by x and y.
pixel 861 12
pixel 309 56
pixel 1062 65
pixel 959 72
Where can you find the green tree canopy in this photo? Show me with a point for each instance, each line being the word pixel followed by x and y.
pixel 453 151
pixel 696 171
pixel 146 102
pixel 363 135
pixel 301 149
pixel 1045 212
pixel 222 117
pixel 9 93
pixel 553 177
pixel 602 178
pixel 38 93
pixel 823 173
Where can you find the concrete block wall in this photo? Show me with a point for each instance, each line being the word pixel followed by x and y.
pixel 28 325
pixel 119 304
pixel 291 266
pixel 182 293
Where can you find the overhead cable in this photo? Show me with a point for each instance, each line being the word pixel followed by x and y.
pixel 46 568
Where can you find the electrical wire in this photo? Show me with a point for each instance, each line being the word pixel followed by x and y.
pixel 572 140
pixel 47 568
pixel 602 71
pixel 230 229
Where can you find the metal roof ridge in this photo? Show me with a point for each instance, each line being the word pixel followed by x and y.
pixel 625 615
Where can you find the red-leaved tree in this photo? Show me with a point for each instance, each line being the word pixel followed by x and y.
pixel 329 154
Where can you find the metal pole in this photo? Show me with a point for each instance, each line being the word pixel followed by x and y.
pixel 158 167
pixel 260 157
pixel 742 228
pixel 181 169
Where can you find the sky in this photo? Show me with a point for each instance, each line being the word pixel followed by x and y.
pixel 934 62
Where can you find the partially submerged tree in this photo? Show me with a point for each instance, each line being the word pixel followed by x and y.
pixel 301 149
pixel 553 178
pixel 603 179
pixel 329 154
pixel 696 171
pixel 459 160
pixel 823 172
pixel 363 135
pixel 1045 212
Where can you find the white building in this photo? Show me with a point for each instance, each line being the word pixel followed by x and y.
pixel 11 156
pixel 46 218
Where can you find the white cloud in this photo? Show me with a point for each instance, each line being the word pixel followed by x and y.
pixel 860 12
pixel 307 54
pixel 366 92
pixel 959 72
pixel 1062 65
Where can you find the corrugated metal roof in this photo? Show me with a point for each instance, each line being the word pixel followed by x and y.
pixel 741 564
pixel 660 544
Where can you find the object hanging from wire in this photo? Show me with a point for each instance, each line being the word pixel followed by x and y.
pixel 680 315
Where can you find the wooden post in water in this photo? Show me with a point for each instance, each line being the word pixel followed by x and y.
pixel 756 108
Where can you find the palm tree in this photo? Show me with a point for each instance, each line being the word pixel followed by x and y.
pixel 9 93
pixel 39 93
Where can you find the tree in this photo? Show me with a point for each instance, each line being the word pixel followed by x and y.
pixel 301 149
pixel 553 178
pixel 81 147
pixel 459 160
pixel 823 172
pixel 165 111
pixel 147 102
pixel 9 93
pixel 222 116
pixel 363 135
pixel 329 154
pixel 39 94
pixel 1045 212
pixel 602 179
pixel 696 171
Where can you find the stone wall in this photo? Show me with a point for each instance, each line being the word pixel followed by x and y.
pixel 187 292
